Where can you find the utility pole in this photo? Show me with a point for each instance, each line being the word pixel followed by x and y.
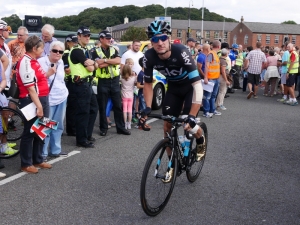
pixel 166 8
pixel 202 22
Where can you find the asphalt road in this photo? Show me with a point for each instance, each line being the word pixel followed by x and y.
pixel 251 175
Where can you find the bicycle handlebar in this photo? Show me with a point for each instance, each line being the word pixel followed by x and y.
pixel 166 118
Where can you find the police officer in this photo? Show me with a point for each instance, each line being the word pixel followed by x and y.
pixel 71 40
pixel 81 70
pixel 108 60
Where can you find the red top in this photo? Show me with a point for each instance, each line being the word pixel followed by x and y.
pixel 30 73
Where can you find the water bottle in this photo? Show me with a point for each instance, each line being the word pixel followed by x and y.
pixel 187 143
pixel 181 140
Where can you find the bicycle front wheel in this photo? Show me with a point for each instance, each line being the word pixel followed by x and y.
pixel 14 126
pixel 194 167
pixel 155 192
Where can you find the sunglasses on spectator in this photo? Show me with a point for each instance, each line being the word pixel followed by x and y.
pixel 57 51
pixel 156 39
pixel 86 35
pixel 20 35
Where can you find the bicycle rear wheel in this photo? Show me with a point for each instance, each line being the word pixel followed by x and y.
pixel 15 126
pixel 194 167
pixel 154 193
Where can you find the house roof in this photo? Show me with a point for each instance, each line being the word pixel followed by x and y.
pixel 273 28
pixel 181 24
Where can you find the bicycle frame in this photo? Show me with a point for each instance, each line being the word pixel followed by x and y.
pixel 177 150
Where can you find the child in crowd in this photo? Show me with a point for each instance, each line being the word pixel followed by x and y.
pixel 128 79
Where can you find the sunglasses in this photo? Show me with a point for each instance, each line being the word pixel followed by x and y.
pixel 156 39
pixel 57 51
pixel 86 35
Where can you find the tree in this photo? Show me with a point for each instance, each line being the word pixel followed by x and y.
pixel 289 22
pixel 135 33
pixel 13 21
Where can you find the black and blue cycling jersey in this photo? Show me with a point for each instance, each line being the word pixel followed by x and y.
pixel 179 68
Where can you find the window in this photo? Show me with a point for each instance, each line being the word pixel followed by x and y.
pixel 198 34
pixel 246 40
pixel 234 39
pixel 267 39
pixel 258 37
pixel 276 39
pixel 207 34
pixel 216 35
pixel 294 39
pixel 179 33
pixel 225 35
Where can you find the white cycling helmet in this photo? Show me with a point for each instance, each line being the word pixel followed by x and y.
pixel 3 24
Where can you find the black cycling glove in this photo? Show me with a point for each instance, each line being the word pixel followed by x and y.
pixel 191 121
pixel 146 111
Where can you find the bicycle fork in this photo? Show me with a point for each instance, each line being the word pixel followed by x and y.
pixel 167 175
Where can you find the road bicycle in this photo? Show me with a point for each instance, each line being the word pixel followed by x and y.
pixel 13 127
pixel 155 192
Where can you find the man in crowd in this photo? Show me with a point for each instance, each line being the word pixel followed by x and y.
pixel 255 62
pixel 284 61
pixel 190 44
pixel 292 71
pixel 86 103
pixel 211 74
pixel 17 46
pixel 108 59
pixel 47 36
pixel 201 59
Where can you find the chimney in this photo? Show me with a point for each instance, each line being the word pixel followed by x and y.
pixel 242 19
pixel 126 20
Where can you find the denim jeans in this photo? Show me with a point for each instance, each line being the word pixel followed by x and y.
pixel 53 140
pixel 209 98
pixel 142 103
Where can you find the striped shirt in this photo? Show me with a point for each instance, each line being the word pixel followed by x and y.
pixel 256 59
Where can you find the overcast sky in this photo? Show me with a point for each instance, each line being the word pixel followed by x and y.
pixel 275 11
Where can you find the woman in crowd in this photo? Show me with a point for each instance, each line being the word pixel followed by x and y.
pixel 2 84
pixel 33 86
pixel 223 79
pixel 54 66
pixel 272 74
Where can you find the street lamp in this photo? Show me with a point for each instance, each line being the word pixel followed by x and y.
pixel 188 34
pixel 202 20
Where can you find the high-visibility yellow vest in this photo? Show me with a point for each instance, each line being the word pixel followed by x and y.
pixel 67 52
pixel 239 59
pixel 78 69
pixel 295 67
pixel 110 71
pixel 214 67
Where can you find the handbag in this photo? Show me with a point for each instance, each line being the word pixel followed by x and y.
pixel 13 90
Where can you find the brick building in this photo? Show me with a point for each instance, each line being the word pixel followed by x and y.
pixel 269 34
pixel 212 30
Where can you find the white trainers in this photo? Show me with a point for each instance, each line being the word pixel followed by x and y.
pixel 126 125
pixel 222 107
pixel 129 125
pixel 217 113
pixel 207 115
pixel 2 175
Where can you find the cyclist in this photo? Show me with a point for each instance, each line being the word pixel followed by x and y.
pixel 184 86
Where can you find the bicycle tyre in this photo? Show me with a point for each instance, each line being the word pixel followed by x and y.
pixel 195 167
pixel 15 124
pixel 154 193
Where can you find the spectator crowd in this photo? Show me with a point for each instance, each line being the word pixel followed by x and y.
pixel 58 78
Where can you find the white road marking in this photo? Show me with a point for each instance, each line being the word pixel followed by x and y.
pixel 14 177
pixel 152 120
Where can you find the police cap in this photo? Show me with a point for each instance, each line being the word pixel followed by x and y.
pixel 72 38
pixel 84 30
pixel 104 34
